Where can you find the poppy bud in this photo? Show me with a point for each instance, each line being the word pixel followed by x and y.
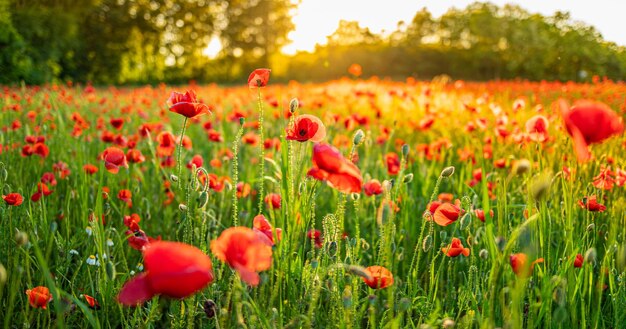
pixel 294 105
pixel 621 257
pixel 203 199
pixel 387 185
pixel 107 209
pixel 484 254
pixel 448 323
pixel 443 235
pixel 209 308
pixel 347 297
pixel 591 255
pixel 447 171
pixel 242 120
pixel 332 248
pixel 384 213
pixel 174 178
pixel 110 270
pixel 500 243
pixel 539 186
pixel 591 227
pixel 405 150
pixel 355 196
pixel 358 270
pixel 405 304
pixel 3 275
pixel 182 207
pixel 4 174
pixel 465 221
pixel 427 243
pixel 407 178
pixel 521 166
pixel 21 238
pixel 358 137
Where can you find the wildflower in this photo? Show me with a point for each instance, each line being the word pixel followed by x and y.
pixel 373 187
pixel 306 127
pixel 578 261
pixel 481 214
pixel 39 297
pixel 263 228
pixel 379 277
pixel 243 250
pixel 591 203
pixel 446 214
pixel 273 200
pixel 135 156
pixel 316 236
pixel 90 169
pixel 167 144
pixel 13 199
pixel 92 302
pixel 520 266
pixel 455 248
pixel 259 78
pixel 92 260
pixel 126 196
pixel 537 128
pixel 186 104
pixel 173 269
pixel 588 123
pixel 330 166
pixel 355 69
pixel 113 159
pixel 393 163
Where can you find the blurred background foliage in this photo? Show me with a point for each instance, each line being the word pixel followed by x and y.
pixel 151 41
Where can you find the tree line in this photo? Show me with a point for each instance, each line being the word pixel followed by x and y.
pixel 149 41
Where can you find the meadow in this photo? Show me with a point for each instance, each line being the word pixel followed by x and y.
pixel 347 204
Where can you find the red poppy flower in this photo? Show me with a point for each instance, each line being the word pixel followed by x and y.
pixel 455 248
pixel 13 199
pixel 117 123
pixel 186 104
pixel 273 200
pixel 42 190
pixel 132 221
pixel 167 144
pixel 126 196
pixel 263 228
pixel 243 189
pixel 355 69
pixel 537 128
pixel 197 160
pixel 259 78
pixel 591 203
pixel 306 127
pixel 330 166
pixel 138 239
pixel 173 269
pixel 481 214
pixel 446 214
pixel 589 122
pixel 393 163
pixel 519 264
pixel 114 158
pixel 373 187
pixel 92 302
pixel 379 277
pixel 39 297
pixel 578 261
pixel 90 169
pixel 135 156
pixel 316 236
pixel 243 250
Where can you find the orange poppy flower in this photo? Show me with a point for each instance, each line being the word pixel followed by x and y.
pixel 13 199
pixel 330 166
pixel 173 269
pixel 591 203
pixel 243 250
pixel 167 144
pixel 135 156
pixel 39 297
pixel 446 214
pixel 519 264
pixel 355 69
pixel 92 302
pixel 114 158
pixel 259 78
pixel 379 277
pixel 306 127
pixel 589 122
pixel 186 104
pixel 263 228
pixel 90 169
pixel 455 248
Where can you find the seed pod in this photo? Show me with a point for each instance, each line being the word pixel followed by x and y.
pixel 3 275
pixel 294 104
pixel 21 238
pixel 110 269
pixel 447 171
pixel 203 198
pixel 405 150
pixel 358 137
pixel 427 243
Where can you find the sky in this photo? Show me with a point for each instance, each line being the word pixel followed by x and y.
pixel 316 19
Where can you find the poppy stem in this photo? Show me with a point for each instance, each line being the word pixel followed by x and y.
pixel 262 152
pixel 180 149
pixel 235 163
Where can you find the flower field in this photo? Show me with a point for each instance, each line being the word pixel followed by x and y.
pixel 349 204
